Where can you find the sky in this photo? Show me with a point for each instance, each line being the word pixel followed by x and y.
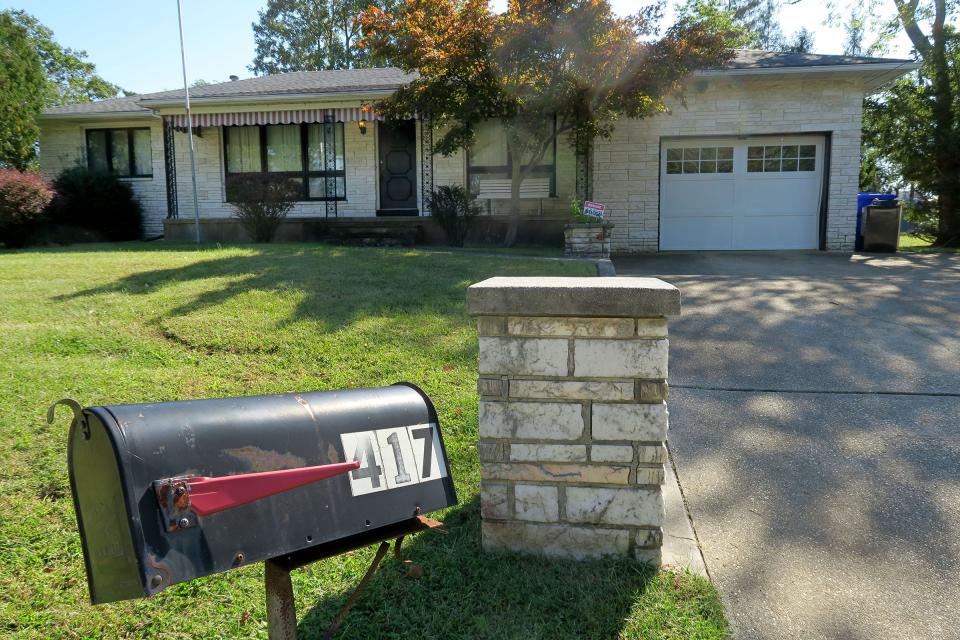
pixel 135 43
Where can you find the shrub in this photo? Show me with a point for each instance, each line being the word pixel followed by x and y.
pixel 922 214
pixel 262 203
pixel 23 199
pixel 98 203
pixel 454 208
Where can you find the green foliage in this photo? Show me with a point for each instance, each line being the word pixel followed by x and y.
pixel 97 203
pixel 548 70
pixel 454 207
pixel 576 211
pixel 145 323
pixel 262 202
pixel 910 129
pixel 21 96
pixel 23 199
pixel 303 35
pixel 70 77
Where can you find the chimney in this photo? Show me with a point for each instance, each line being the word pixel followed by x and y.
pixel 234 78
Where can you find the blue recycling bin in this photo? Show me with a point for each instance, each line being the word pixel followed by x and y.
pixel 863 200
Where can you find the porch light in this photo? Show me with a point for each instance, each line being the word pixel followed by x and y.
pixel 362 125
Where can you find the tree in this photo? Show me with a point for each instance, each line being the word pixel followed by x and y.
pixel 800 42
pixel 904 140
pixel 546 69
pixel 759 19
pixel 934 99
pixel 70 78
pixel 22 97
pixel 306 35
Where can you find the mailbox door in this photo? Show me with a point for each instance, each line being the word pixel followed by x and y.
pixel 393 431
pixel 106 529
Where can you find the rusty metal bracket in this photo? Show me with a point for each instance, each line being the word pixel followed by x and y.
pixel 173 495
pixel 78 416
pixel 352 600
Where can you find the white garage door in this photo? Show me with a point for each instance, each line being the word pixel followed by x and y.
pixel 753 193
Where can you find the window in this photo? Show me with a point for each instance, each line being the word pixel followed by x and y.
pixel 125 153
pixel 700 160
pixel 781 158
pixel 489 157
pixel 293 152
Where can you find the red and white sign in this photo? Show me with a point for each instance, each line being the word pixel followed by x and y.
pixel 594 209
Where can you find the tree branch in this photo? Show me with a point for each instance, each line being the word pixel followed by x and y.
pixel 908 17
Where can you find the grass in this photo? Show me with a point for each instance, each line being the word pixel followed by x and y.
pixel 133 323
pixel 909 242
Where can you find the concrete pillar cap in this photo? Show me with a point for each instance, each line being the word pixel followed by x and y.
pixel 575 297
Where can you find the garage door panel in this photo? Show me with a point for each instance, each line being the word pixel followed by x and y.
pixel 703 233
pixel 780 232
pixel 765 202
pixel 779 196
pixel 687 197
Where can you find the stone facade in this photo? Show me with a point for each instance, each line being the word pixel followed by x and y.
pixel 586 240
pixel 63 145
pixel 626 166
pixel 573 415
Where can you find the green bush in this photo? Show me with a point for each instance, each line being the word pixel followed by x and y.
pixel 262 203
pixel 23 198
pixel 454 208
pixel 98 203
pixel 922 214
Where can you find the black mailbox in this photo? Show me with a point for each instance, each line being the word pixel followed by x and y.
pixel 168 492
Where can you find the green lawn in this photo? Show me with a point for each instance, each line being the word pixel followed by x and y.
pixel 157 322
pixel 910 242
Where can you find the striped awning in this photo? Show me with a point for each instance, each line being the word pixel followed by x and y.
pixel 295 116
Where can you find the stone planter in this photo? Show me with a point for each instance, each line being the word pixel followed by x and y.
pixel 587 239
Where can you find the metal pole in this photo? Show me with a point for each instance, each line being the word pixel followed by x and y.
pixel 281 608
pixel 186 94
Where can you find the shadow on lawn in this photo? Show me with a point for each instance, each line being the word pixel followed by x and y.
pixel 465 593
pixel 332 285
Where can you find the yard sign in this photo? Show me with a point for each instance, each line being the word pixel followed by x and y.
pixel 594 209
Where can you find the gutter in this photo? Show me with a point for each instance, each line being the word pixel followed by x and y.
pixel 86 115
pixel 271 98
pixel 905 66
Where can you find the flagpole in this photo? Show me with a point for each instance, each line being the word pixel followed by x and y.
pixel 186 95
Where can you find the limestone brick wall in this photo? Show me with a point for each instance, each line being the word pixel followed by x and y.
pixel 360 166
pixel 573 414
pixel 626 167
pixel 63 145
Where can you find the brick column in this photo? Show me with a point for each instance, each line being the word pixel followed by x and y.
pixel 573 414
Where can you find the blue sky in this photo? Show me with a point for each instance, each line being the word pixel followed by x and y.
pixel 134 43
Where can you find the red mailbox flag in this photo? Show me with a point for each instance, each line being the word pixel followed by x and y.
pixel 211 495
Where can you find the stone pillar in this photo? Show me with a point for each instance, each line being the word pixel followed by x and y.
pixel 573 414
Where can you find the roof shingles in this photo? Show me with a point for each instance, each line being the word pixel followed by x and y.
pixel 390 78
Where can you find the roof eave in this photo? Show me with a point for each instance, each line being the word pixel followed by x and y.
pixel 99 115
pixel 272 98
pixel 872 67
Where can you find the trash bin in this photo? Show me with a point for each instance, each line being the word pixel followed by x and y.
pixel 863 200
pixel 881 226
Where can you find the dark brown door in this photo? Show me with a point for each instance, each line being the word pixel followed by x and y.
pixel 398 168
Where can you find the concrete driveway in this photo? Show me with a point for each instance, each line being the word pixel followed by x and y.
pixel 815 426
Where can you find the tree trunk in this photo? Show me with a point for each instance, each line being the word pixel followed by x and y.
pixel 513 226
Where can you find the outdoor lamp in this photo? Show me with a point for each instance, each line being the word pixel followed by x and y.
pixel 362 124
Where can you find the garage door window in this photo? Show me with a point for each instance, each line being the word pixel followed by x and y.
pixel 781 158
pixel 700 160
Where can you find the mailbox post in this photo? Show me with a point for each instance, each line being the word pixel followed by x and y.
pixel 168 492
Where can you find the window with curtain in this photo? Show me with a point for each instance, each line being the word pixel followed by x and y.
pixel 125 153
pixel 289 151
pixel 490 159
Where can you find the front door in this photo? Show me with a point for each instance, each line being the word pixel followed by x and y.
pixel 398 169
